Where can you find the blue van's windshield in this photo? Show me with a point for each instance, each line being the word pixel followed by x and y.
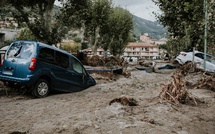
pixel 21 50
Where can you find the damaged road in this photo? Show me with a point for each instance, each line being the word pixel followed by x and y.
pixel 120 105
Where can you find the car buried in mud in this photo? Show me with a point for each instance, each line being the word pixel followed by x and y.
pixel 41 68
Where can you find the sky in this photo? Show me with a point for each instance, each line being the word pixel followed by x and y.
pixel 140 8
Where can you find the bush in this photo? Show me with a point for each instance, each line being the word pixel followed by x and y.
pixel 70 46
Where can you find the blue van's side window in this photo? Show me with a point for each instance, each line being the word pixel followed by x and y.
pixel 77 66
pixel 47 55
pixel 62 59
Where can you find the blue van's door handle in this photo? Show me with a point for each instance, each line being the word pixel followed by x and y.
pixel 13 60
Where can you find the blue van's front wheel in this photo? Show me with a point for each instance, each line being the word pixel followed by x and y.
pixel 41 88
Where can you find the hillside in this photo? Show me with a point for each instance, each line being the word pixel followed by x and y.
pixel 154 29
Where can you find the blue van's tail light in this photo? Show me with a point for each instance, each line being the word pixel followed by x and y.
pixel 32 64
pixel 2 60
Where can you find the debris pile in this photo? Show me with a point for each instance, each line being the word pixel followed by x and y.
pixel 146 64
pixel 109 65
pixel 176 91
pixel 207 82
pixel 95 61
pixel 104 76
pixel 106 61
pixel 125 101
pixel 189 67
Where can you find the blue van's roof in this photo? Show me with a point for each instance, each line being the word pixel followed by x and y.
pixel 45 45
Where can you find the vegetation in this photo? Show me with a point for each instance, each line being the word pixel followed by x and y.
pixel 98 23
pixel 185 20
pixel 26 34
pixel 70 46
pixel 38 17
pixel 118 33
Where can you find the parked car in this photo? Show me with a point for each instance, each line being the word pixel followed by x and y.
pixel 184 57
pixel 42 68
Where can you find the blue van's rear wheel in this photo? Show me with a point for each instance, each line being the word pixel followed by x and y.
pixel 41 88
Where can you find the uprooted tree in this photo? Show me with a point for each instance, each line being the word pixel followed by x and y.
pixel 176 91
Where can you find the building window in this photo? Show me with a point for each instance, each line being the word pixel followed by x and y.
pixel 147 49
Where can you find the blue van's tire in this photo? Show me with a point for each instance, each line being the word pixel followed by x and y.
pixel 41 88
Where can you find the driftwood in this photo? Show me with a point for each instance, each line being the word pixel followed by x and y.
pixel 177 92
pixel 189 67
pixel 207 82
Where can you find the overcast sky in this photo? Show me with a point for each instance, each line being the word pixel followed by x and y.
pixel 140 8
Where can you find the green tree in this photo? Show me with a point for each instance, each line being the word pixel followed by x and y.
pixel 100 12
pixel 26 34
pixel 185 19
pixel 38 16
pixel 120 25
pixel 78 17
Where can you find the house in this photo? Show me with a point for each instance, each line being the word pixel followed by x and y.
pixel 141 50
pixel 100 52
pixel 161 41
pixel 145 38
pixel 133 50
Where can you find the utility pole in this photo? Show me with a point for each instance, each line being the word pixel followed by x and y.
pixel 205 34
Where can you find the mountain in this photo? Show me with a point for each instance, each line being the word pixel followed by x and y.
pixel 154 29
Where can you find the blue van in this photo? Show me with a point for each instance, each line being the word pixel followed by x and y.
pixel 42 68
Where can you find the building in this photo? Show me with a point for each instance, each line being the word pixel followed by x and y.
pixel 141 50
pixel 100 52
pixel 161 41
pixel 133 50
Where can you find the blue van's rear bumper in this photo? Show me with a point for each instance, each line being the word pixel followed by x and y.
pixel 24 81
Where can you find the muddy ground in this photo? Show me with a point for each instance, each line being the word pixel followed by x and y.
pixel 89 112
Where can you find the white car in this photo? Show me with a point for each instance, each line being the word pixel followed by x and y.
pixel 184 57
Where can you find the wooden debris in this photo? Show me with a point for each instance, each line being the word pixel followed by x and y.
pixel 207 82
pixel 146 64
pixel 189 67
pixel 95 61
pixel 106 61
pixel 125 101
pixel 126 73
pixel 176 91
